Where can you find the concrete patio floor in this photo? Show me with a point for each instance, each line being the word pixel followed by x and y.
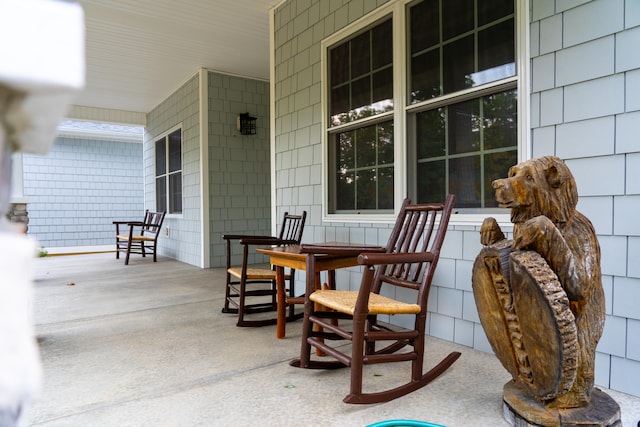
pixel 147 345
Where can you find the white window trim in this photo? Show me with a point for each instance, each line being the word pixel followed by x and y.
pixel 396 9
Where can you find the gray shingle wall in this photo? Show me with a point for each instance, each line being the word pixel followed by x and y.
pixel 585 91
pixel 585 107
pixel 182 107
pixel 79 188
pixel 239 165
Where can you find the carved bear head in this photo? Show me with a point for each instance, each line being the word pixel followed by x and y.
pixel 541 186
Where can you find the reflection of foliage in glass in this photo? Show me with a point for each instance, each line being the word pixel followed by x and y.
pixel 425 76
pixel 481 140
pixel 361 75
pixel 345 178
pixel 496 166
pixel 362 112
pixel 474 46
pixel 385 143
pixel 464 127
pixel 385 188
pixel 430 128
pixel 431 181
pixel 500 121
pixel 366 146
pixel 464 181
pixel 345 190
pixel 366 189
pixel 364 168
pixel 500 129
pixel 345 150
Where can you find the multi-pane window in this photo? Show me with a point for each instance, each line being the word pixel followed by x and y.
pixel 168 156
pixel 364 167
pixel 463 147
pixel 468 55
pixel 457 106
pixel 456 45
pixel 360 121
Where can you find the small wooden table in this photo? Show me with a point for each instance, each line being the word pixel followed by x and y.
pixel 299 257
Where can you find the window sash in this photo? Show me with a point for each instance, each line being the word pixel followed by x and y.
pixel 361 75
pixel 363 168
pixel 455 68
pixel 462 147
pixel 168 167
pixel 468 46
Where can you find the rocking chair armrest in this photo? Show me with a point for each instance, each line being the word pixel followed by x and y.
pixel 266 241
pixel 337 249
pixel 394 258
pixel 130 224
pixel 244 236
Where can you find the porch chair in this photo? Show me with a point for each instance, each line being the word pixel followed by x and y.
pixel 406 270
pixel 252 289
pixel 142 237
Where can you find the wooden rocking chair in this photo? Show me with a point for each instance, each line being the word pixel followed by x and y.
pixel 245 290
pixel 406 267
pixel 142 236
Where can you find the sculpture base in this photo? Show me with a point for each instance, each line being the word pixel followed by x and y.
pixel 522 410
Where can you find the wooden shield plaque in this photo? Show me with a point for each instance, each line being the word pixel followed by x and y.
pixel 526 316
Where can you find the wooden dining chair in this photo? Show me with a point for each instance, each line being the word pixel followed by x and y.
pixel 405 267
pixel 141 237
pixel 252 289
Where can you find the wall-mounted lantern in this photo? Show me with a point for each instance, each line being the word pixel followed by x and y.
pixel 246 124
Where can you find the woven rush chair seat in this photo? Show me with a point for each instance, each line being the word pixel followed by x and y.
pixel 256 273
pixel 406 267
pixel 142 237
pixel 136 236
pixel 345 302
pixel 252 289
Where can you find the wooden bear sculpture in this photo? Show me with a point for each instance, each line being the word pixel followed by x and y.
pixel 540 296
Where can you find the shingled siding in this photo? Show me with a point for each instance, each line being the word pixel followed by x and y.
pixel 238 177
pixel 586 110
pixel 79 188
pixel 239 165
pixel 585 106
pixel 182 238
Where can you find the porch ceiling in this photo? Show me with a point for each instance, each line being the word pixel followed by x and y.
pixel 139 51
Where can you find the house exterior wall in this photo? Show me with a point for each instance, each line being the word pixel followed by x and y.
pixel 586 110
pixel 585 96
pixel 184 238
pixel 239 165
pixel 79 188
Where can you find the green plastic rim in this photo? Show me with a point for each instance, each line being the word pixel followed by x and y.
pixel 404 423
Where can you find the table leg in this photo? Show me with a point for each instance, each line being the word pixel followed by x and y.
pixel 331 278
pixel 281 321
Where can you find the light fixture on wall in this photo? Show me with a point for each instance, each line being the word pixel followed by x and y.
pixel 246 124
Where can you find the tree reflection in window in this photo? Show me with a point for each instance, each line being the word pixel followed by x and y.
pixel 361 75
pixel 363 160
pixel 463 147
pixel 458 51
